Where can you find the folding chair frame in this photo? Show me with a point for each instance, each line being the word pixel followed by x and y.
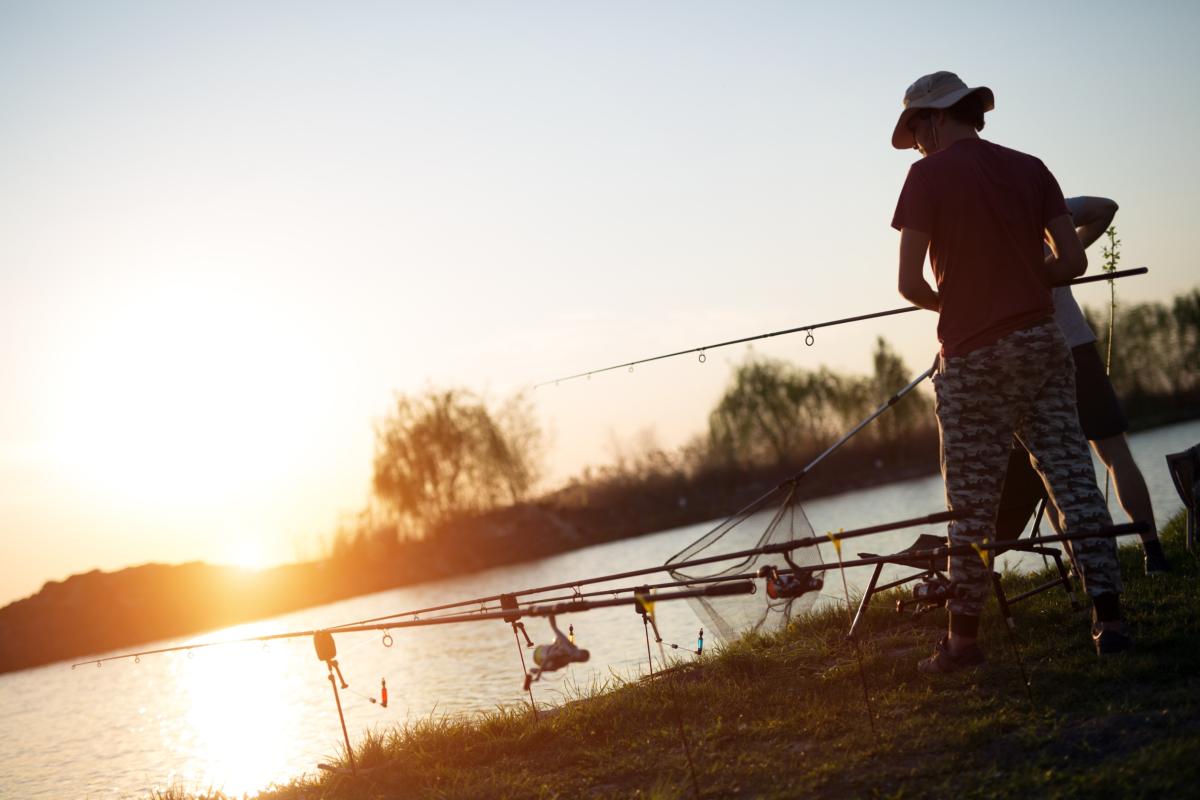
pixel 930 570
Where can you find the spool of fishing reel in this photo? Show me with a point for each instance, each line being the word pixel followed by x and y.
pixel 932 592
pixel 791 585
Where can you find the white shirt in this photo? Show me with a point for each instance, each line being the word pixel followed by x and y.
pixel 1070 318
pixel 1067 314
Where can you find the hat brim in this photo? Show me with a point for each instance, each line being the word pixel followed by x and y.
pixel 902 138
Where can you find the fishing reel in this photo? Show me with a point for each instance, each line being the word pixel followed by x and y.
pixel 555 656
pixel 792 585
pixel 932 592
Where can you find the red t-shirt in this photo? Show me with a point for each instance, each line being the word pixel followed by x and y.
pixel 984 207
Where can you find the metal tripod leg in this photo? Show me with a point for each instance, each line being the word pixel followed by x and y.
pixel 1067 584
pixel 524 671
pixel 866 599
pixel 1002 601
pixel 338 699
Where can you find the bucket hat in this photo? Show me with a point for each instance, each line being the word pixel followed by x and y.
pixel 936 90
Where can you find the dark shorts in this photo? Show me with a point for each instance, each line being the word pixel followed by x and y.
pixel 1100 413
pixel 1100 416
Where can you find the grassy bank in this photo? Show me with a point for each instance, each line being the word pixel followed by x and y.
pixel 784 716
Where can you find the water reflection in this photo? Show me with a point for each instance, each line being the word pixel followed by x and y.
pixel 239 711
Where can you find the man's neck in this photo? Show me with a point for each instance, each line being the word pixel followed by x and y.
pixel 956 133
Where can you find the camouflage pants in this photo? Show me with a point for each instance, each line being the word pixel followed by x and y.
pixel 1022 385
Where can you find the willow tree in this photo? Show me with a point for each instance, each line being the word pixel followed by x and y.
pixel 1156 349
pixel 446 453
pixel 891 375
pixel 773 412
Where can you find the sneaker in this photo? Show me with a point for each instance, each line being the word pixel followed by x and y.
pixel 1156 559
pixel 1110 640
pixel 944 660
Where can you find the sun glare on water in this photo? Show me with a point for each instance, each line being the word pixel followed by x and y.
pixel 240 718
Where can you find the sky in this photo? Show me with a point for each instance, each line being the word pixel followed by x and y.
pixel 231 232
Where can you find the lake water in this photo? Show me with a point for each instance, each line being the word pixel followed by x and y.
pixel 240 717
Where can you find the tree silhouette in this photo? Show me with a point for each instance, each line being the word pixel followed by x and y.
pixel 772 411
pixel 445 453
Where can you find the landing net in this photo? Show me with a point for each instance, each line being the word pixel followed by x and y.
pixel 732 617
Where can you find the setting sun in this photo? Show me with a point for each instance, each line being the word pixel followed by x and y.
pixel 248 555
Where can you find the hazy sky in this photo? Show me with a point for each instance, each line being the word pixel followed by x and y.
pixel 229 232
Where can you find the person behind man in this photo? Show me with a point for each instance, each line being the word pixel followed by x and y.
pixel 983 212
pixel 1100 415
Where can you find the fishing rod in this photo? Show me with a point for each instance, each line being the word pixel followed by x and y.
pixel 548 609
pixel 393 621
pixel 744 586
pixel 486 604
pixel 931 519
pixel 641 588
pixel 808 329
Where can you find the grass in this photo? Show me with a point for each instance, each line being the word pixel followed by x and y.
pixel 783 716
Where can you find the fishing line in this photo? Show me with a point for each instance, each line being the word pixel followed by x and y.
pixel 367 697
pixel 806 329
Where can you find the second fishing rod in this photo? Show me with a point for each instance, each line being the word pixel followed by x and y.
pixel 930 519
pixel 807 329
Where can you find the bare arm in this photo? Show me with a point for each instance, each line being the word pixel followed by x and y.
pixel 913 286
pixel 1067 259
pixel 1092 216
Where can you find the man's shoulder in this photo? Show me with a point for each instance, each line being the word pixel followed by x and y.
pixel 1013 155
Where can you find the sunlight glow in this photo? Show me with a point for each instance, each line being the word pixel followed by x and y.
pixel 240 714
pixel 181 394
pixel 248 555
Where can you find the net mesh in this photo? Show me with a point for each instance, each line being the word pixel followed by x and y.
pixel 776 517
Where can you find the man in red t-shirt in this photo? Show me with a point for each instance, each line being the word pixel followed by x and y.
pixel 983 212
